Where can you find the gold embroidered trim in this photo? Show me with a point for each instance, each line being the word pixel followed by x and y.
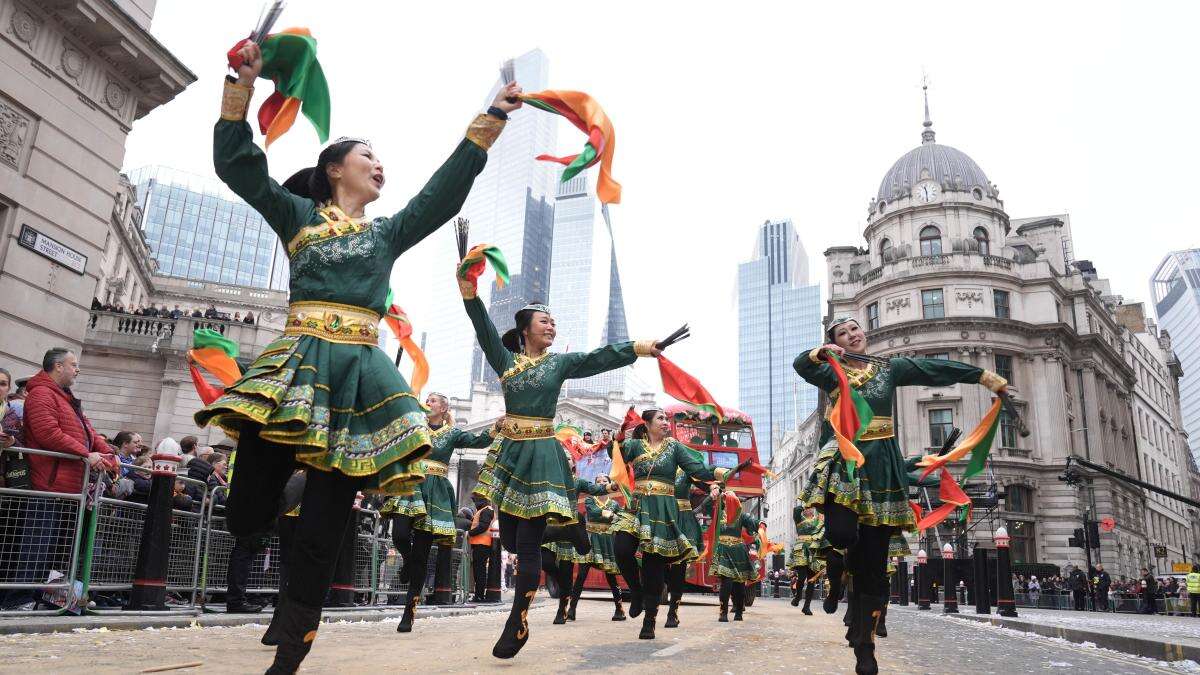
pixel 597 528
pixel 337 224
pixel 334 322
pixel 685 504
pixel 728 540
pixel 433 468
pixel 992 381
pixel 856 378
pixel 519 428
pixel 879 427
pixel 484 130
pixel 522 363
pixel 815 355
pixel 643 347
pixel 652 452
pixel 649 486
pixel 235 101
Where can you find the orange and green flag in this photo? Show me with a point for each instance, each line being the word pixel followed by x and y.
pixel 978 444
pixel 849 417
pixel 397 320
pixel 473 264
pixel 290 61
pixel 582 111
pixel 682 387
pixel 215 353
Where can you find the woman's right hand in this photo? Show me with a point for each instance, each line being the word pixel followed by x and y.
pixel 833 348
pixel 252 64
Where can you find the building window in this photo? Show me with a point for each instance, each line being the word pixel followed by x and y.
pixel 981 238
pixel 1019 499
pixel 1004 367
pixel 886 249
pixel 1008 432
pixel 1021 545
pixel 873 316
pixel 945 356
pixel 932 303
pixel 931 240
pixel 941 421
pixel 1000 302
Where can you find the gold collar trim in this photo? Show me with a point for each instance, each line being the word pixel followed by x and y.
pixel 337 224
pixel 522 363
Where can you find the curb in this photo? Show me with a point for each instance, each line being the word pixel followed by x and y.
pixel 117 621
pixel 1154 649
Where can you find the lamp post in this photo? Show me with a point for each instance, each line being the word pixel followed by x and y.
pixel 922 580
pixel 950 601
pixel 1005 605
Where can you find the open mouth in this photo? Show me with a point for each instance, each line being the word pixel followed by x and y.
pixel 377 179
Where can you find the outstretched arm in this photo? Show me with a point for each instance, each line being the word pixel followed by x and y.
pixel 604 359
pixel 499 358
pixel 466 439
pixel 810 366
pixel 941 372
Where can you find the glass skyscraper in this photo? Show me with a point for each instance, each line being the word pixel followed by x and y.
pixel 1175 288
pixel 198 229
pixel 779 315
pixel 585 288
pixel 510 205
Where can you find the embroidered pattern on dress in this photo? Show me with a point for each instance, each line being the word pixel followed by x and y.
pixel 529 374
pixel 332 252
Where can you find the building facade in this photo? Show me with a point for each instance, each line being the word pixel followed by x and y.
pixel 779 315
pixel 946 273
pixel 1175 291
pixel 76 77
pixel 200 231
pixel 792 463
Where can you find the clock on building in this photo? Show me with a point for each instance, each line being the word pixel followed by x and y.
pixel 926 191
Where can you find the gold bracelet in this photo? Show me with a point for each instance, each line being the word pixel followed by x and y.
pixel 484 131
pixel 644 347
pixel 992 381
pixel 815 355
pixel 235 101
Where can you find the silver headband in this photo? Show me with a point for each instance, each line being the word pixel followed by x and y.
pixel 351 139
pixel 536 307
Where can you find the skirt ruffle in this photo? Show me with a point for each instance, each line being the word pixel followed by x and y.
pixel 660 531
pixel 342 407
pixel 533 478
pixel 486 480
pixel 733 562
pixel 430 504
pixel 878 492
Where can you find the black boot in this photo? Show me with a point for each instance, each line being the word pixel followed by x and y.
pixel 796 585
pixel 516 629
pixel 648 620
pixel 852 617
pixel 834 569
pixel 881 627
pixel 808 593
pixel 619 612
pixel 297 629
pixel 560 617
pixel 410 614
pixel 724 616
pixel 739 603
pixel 868 609
pixel 635 603
pixel 271 637
pixel 672 615
pixel 571 608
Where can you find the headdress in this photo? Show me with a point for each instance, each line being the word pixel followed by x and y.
pixel 351 139
pixel 536 307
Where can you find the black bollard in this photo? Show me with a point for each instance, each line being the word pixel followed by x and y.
pixel 902 575
pixel 982 603
pixel 894 584
pixel 950 601
pixel 1005 606
pixel 922 580
pixel 495 570
pixel 442 592
pixel 149 590
pixel 341 591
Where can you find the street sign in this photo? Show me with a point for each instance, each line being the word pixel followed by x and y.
pixel 52 249
pixel 1181 568
pixel 1107 524
pixel 1160 551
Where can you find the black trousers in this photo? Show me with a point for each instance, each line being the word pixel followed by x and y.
pixel 254 497
pixel 245 548
pixel 1195 602
pixel 1080 598
pixel 479 567
pixel 676 575
pixel 650 580
pixel 737 590
pixel 866 548
pixel 525 537
pixel 287 535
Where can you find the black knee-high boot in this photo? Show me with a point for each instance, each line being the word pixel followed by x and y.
pixel 808 593
pixel 654 568
pixel 675 577
pixel 868 608
pixel 562 572
pixel 625 547
pixel 739 600
pixel 798 584
pixel 619 611
pixel 402 532
pixel 726 589
pixel 835 568
pixel 526 538
pixel 577 589
pixel 881 625
pixel 422 541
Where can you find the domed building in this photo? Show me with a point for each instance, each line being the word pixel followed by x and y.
pixel 944 272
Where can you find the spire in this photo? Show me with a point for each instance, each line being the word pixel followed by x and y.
pixel 926 133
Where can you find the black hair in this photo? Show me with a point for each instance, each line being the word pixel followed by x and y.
pixel 514 338
pixel 187 444
pixel 313 182
pixel 122 438
pixel 54 357
pixel 642 430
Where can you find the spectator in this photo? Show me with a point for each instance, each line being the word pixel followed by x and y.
pixel 1101 582
pixel 128 444
pixel 249 318
pixel 237 316
pixel 10 414
pixel 1035 591
pixel 141 480
pixel 177 313
pixel 180 501
pixel 187 450
pixel 200 469
pixel 212 313
pixel 1149 590
pixel 217 478
pixel 1077 581
pixel 197 314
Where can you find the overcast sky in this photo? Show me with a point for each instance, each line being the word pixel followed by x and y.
pixel 727 117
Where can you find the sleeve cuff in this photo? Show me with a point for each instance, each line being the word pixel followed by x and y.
pixel 992 381
pixel 467 289
pixel 235 101
pixel 815 355
pixel 643 347
pixel 484 131
pixel 720 472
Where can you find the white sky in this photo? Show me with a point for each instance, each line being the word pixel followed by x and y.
pixel 726 117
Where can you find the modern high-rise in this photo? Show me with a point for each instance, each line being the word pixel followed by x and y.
pixel 199 230
pixel 1175 289
pixel 779 315
pixel 511 205
pixel 585 287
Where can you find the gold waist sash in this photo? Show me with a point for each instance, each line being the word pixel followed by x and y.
pixel 598 528
pixel 879 427
pixel 433 468
pixel 728 540
pixel 684 504
pixel 334 322
pixel 649 486
pixel 519 428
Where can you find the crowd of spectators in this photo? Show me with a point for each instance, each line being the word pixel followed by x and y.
pixel 177 313
pixel 1098 591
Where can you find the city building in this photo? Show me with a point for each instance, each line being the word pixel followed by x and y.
pixel 1160 437
pixel 200 231
pixel 511 205
pixel 946 273
pixel 77 76
pixel 779 315
pixel 585 287
pixel 792 463
pixel 1175 292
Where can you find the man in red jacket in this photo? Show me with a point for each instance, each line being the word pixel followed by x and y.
pixel 54 421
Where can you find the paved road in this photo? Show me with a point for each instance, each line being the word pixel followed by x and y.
pixel 774 638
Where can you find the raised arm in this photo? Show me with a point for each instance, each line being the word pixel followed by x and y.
pixel 749 524
pixel 604 359
pixel 466 439
pixel 941 372
pixel 689 460
pixel 588 487
pixel 499 358
pixel 814 370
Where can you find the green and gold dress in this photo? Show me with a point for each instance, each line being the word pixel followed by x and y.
pixel 531 476
pixel 432 503
pixel 564 551
pixel 878 492
pixel 810 540
pixel 731 560
pixel 660 529
pixel 688 523
pixel 325 387
pixel 600 513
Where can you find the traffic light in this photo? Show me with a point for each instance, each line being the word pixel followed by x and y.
pixel 1076 541
pixel 1093 533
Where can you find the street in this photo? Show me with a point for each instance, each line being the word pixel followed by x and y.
pixel 775 637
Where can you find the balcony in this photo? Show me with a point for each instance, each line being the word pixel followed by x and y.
pixel 957 262
pixel 171 336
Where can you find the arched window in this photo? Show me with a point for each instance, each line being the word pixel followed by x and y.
pixel 981 238
pixel 931 241
pixel 886 250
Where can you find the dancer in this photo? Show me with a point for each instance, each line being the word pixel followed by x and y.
pixel 324 394
pixel 677 572
pixel 805 563
pixel 425 514
pixel 656 458
pixel 531 481
pixel 563 546
pixel 864 507
pixel 601 510
pixel 731 562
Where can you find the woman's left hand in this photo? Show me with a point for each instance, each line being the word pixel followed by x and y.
pixel 509 91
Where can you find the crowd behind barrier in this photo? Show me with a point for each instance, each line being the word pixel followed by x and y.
pixel 78 552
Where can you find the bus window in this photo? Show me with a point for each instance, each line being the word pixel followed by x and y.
pixel 694 433
pixel 725 460
pixel 734 438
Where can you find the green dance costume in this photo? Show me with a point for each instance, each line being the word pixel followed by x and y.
pixel 659 526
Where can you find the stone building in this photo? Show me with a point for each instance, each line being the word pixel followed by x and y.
pixel 74 77
pixel 791 464
pixel 946 273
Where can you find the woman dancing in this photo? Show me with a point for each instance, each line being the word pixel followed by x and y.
pixel 690 525
pixel 425 514
pixel 563 546
pixel 601 510
pixel 656 528
pixel 864 508
pixel 731 560
pixel 324 395
pixel 805 563
pixel 531 481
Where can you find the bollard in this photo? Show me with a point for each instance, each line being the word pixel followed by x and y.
pixel 495 569
pixel 341 591
pixel 950 601
pixel 902 575
pixel 982 603
pixel 922 580
pixel 1005 606
pixel 149 590
pixel 442 593
pixel 894 583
